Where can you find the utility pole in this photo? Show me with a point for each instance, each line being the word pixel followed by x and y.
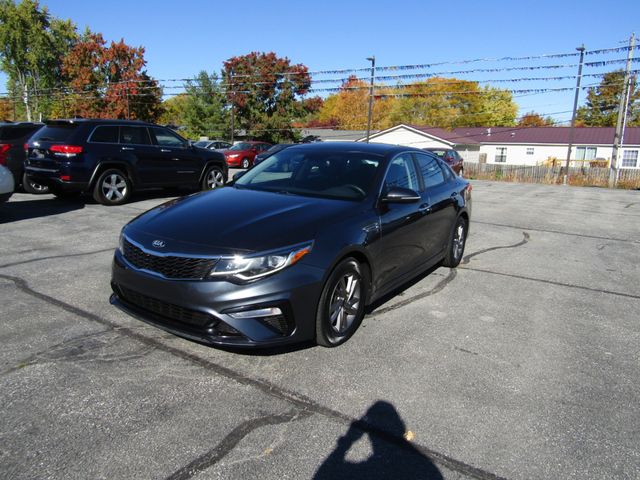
pixel 128 108
pixel 232 103
pixel 573 116
pixel 622 117
pixel 372 59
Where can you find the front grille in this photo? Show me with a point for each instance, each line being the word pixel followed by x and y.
pixel 168 310
pixel 169 267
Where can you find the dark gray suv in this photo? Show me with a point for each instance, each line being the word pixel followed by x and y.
pixel 111 158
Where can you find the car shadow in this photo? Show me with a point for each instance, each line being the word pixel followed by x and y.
pixel 399 290
pixel 13 211
pixel 392 455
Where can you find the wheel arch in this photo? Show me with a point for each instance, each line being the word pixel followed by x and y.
pixel 102 166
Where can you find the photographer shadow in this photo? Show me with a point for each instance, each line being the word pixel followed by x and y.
pixel 392 456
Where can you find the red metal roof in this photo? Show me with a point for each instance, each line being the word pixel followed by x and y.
pixel 547 135
pixel 532 135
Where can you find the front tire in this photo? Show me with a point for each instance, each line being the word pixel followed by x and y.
pixel 113 187
pixel 30 186
pixel 245 163
pixel 457 241
pixel 341 306
pixel 213 178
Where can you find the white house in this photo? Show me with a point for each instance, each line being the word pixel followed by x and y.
pixel 519 145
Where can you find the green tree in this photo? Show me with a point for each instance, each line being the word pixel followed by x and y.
pixel 205 110
pixel 32 44
pixel 265 92
pixel 603 102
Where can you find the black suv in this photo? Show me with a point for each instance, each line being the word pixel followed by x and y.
pixel 12 139
pixel 110 158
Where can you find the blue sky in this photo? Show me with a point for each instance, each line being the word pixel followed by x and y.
pixel 182 38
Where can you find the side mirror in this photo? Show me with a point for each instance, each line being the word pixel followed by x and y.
pixel 401 195
pixel 237 175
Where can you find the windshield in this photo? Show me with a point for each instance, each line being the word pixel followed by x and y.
pixel 202 143
pixel 340 175
pixel 241 146
pixel 439 153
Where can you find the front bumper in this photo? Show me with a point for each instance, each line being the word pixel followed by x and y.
pixel 200 309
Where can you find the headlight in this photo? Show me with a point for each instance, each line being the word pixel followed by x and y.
pixel 261 265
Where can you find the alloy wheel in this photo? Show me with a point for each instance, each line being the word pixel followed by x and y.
pixel 114 187
pixel 458 240
pixel 345 300
pixel 214 179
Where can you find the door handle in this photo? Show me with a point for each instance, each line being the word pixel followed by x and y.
pixel 165 150
pixel 175 159
pixel 127 148
pixel 424 208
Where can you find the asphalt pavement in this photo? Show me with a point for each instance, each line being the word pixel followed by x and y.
pixel 522 363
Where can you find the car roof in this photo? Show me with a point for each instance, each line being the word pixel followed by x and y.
pixel 20 124
pixel 110 121
pixel 383 149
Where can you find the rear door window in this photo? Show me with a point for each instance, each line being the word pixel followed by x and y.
pixel 430 170
pixel 401 173
pixel 134 135
pixel 166 138
pixel 105 134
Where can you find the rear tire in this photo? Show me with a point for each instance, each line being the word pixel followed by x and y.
pixel 341 307
pixel 30 186
pixel 113 187
pixel 457 241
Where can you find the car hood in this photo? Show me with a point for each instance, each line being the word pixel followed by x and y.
pixel 232 220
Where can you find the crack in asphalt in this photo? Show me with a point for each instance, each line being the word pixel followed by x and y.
pixel 525 239
pixel 300 401
pixel 552 282
pixel 597 237
pixel 631 204
pixel 229 442
pixel 438 288
pixel 67 255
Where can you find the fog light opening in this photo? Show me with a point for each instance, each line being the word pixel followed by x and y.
pixel 257 313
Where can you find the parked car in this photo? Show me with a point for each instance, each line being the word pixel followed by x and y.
pixel 242 154
pixel 111 158
pixel 451 157
pixel 301 243
pixel 12 139
pixel 7 184
pixel 213 144
pixel 273 149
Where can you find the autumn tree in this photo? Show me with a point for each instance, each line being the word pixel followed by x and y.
pixel 110 82
pixel 603 102
pixel 349 108
pixel 265 92
pixel 32 45
pixel 533 119
pixel 6 109
pixel 450 103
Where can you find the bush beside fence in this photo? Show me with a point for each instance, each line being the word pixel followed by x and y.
pixel 587 176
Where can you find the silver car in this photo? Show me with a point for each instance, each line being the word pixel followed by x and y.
pixel 6 184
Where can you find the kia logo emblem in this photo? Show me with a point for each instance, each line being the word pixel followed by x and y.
pixel 158 243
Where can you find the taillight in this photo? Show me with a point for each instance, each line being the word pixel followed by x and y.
pixel 66 149
pixel 4 148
